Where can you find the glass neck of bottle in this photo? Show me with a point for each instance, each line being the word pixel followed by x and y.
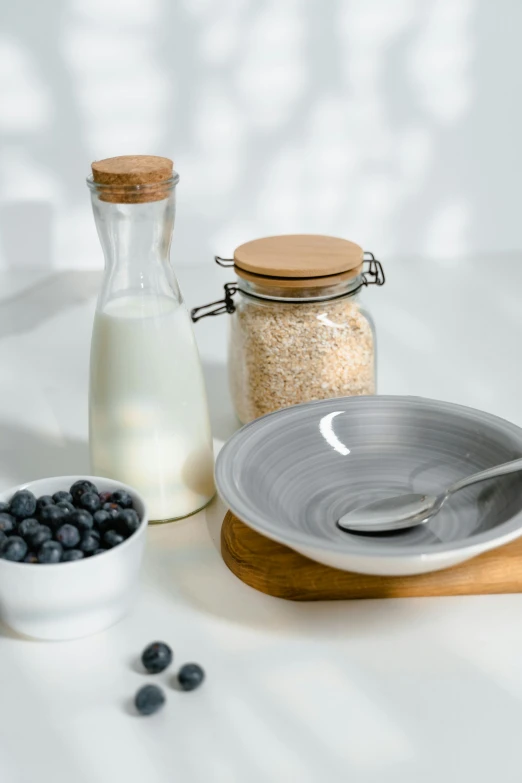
pixel 136 239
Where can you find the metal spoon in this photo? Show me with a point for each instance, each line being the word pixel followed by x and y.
pixel 404 511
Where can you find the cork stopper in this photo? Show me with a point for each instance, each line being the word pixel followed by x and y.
pixel 131 179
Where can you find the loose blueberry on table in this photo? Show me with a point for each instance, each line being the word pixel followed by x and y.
pixel 156 657
pixel 71 525
pixel 149 699
pixel 190 676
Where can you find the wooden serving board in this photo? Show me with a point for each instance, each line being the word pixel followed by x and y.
pixel 279 571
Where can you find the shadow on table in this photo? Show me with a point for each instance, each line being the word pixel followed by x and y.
pixel 8 633
pixel 26 455
pixel 185 565
pixel 60 291
pixel 222 416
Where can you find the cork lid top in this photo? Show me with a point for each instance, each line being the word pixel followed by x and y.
pixel 299 256
pixel 132 178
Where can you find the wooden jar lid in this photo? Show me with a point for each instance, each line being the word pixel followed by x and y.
pixel 300 257
pixel 129 179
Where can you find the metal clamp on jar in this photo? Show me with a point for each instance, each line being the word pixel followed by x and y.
pixel 297 331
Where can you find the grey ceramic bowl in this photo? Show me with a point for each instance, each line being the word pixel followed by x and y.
pixel 292 474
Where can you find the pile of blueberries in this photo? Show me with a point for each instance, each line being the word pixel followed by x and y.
pixel 157 657
pixel 67 526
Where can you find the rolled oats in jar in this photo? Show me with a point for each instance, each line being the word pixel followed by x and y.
pixel 298 331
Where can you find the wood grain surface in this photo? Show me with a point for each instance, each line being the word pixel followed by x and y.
pixel 298 255
pixel 279 571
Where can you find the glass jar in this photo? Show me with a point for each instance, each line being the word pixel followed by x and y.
pixel 148 417
pixel 298 339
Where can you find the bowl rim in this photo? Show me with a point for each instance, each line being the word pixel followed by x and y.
pixel 6 494
pixel 257 520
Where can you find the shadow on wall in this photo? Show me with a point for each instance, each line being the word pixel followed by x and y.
pixel 25 232
pixel 33 455
pixel 363 119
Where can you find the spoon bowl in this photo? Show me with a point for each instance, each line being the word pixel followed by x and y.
pixel 401 512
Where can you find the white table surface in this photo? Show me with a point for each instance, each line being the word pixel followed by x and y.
pixel 411 690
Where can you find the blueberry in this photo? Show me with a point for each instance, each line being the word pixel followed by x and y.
pixel 36 539
pixel 103 520
pixel 14 548
pixel 90 502
pixel 149 699
pixel 190 676
pixel 43 501
pixel 81 519
pixel 28 527
pixel 128 522
pixel 80 487
pixel 122 498
pixel 23 504
pixel 3 506
pixel 104 497
pixel 50 552
pixel 68 536
pixel 72 554
pixel 112 508
pixel 60 496
pixel 156 657
pixel 100 551
pixel 2 537
pixel 31 557
pixel 112 538
pixel 7 523
pixel 52 516
pixel 89 543
pixel 67 507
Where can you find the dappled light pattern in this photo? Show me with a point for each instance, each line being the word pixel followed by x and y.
pixel 391 123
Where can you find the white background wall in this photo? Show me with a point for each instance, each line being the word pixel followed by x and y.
pixel 396 123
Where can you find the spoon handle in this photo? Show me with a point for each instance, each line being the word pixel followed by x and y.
pixel 497 470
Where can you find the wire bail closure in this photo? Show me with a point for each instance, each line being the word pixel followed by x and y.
pixel 225 262
pixel 372 275
pixel 220 306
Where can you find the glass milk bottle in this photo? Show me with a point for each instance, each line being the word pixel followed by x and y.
pixel 148 417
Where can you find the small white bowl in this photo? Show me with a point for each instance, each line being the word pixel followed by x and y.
pixel 78 598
